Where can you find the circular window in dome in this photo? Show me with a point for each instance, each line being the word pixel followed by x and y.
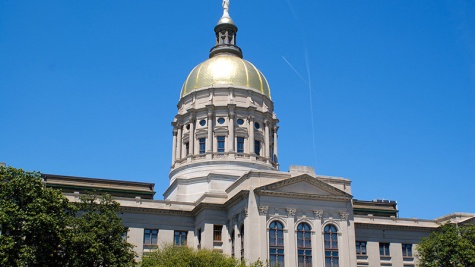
pixel 256 124
pixel 240 121
pixel 187 126
pixel 221 120
pixel 202 122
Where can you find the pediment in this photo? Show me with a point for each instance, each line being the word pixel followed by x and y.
pixel 303 186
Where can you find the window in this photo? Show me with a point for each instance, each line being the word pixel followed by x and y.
pixel 124 236
pixel 180 238
pixel 150 236
pixel 202 122
pixel 242 241
pixel 240 144
pixel 202 145
pixel 257 147
pixel 240 121
pixel 256 124
pixel 199 237
pixel 304 245
pixel 360 247
pixel 276 244
pixel 407 250
pixel 221 120
pixel 220 144
pixel 217 230
pixel 232 244
pixel 331 246
pixel 384 249
pixel 187 148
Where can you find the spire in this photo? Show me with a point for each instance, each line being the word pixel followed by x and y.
pixel 225 35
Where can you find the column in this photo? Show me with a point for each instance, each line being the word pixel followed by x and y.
pixel 276 158
pixel 192 135
pixel 179 139
pixel 266 140
pixel 209 141
pixel 251 137
pixel 174 145
pixel 231 129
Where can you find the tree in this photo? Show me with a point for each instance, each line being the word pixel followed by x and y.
pixel 97 234
pixel 33 220
pixel 183 256
pixel 39 226
pixel 451 245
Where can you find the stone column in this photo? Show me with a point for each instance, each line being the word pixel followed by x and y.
pixel 174 144
pixel 209 142
pixel 276 158
pixel 231 129
pixel 192 136
pixel 179 140
pixel 251 137
pixel 266 140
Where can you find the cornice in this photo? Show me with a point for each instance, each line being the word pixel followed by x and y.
pixel 301 195
pixel 393 227
pixel 156 211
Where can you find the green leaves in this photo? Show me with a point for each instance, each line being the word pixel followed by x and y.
pixel 39 227
pixel 451 245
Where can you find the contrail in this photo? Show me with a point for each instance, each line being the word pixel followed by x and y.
pixel 296 72
pixel 307 64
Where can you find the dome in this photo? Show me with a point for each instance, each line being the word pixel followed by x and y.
pixel 226 70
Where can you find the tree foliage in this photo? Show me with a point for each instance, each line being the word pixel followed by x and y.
pixel 39 226
pixel 183 256
pixel 452 246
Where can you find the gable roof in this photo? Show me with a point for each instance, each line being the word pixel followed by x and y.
pixel 303 186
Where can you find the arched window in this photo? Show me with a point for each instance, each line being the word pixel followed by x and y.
pixel 242 241
pixel 304 245
pixel 276 244
pixel 331 246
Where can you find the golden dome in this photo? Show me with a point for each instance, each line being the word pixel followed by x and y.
pixel 226 70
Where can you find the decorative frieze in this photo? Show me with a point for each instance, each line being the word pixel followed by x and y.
pixel 318 214
pixel 291 212
pixel 263 210
pixel 344 216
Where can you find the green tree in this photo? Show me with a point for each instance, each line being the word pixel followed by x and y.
pixel 33 220
pixel 40 227
pixel 450 246
pixel 183 256
pixel 97 234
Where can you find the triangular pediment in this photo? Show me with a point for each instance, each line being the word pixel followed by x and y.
pixel 303 186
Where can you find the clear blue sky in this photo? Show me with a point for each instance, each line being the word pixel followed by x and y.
pixel 89 88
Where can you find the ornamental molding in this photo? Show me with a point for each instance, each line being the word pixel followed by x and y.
pixel 291 212
pixel 318 214
pixel 301 195
pixel 394 227
pixel 344 216
pixel 156 211
pixel 263 210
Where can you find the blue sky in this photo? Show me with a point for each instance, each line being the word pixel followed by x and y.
pixel 380 92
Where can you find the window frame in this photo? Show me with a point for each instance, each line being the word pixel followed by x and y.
pixel 239 144
pixel 407 250
pixel 152 233
pixel 221 143
pixel 276 244
pixel 202 145
pixel 330 239
pixel 257 147
pixel 304 245
pixel 384 247
pixel 361 245
pixel 217 233
pixel 182 238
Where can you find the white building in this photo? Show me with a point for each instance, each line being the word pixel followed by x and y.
pixel 227 193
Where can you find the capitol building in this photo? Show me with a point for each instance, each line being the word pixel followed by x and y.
pixel 227 193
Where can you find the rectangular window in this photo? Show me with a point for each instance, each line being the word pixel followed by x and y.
pixel 202 145
pixel 276 257
pixel 257 147
pixel 240 144
pixel 180 238
pixel 360 247
pixel 187 148
pixel 150 236
pixel 407 250
pixel 384 249
pixel 220 144
pixel 217 230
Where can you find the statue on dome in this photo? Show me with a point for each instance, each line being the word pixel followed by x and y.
pixel 225 8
